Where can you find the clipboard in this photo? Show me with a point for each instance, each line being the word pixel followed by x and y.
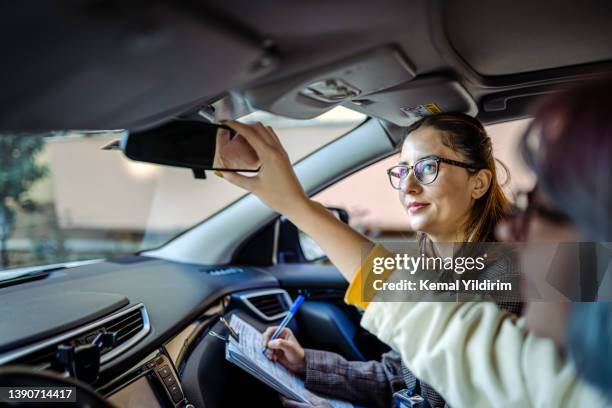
pixel 244 350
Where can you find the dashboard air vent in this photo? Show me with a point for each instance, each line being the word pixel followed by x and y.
pixel 271 304
pixel 131 325
pixel 126 326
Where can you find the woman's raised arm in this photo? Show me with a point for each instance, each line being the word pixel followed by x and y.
pixel 277 185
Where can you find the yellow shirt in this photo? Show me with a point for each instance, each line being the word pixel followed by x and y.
pixel 472 353
pixel 357 293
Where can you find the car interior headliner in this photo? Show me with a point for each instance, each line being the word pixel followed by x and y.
pixel 105 64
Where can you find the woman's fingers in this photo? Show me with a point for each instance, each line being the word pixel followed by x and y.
pixel 285 333
pixel 221 141
pixel 249 133
pixel 267 334
pixel 289 348
pixel 277 355
pixel 276 183
pixel 264 133
pixel 273 133
pixel 223 136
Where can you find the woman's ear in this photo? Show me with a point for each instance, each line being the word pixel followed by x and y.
pixel 481 181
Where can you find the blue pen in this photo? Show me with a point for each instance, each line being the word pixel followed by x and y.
pixel 294 308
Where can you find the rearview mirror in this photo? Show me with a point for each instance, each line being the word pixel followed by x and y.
pixel 191 144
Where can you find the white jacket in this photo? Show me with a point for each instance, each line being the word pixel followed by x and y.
pixel 476 355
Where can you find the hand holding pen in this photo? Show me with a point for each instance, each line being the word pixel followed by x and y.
pixel 281 345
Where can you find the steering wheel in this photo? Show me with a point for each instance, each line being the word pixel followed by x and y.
pixel 20 376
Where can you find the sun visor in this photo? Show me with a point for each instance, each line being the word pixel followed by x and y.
pixel 404 104
pixel 308 95
pixel 112 65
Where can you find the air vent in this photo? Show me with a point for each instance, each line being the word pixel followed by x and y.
pixel 131 325
pixel 269 304
pixel 126 326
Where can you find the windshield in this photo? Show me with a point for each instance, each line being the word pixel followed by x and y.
pixel 63 199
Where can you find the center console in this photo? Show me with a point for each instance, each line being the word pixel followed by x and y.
pixel 152 383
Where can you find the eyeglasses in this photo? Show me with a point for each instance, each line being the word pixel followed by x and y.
pixel 425 170
pixel 526 205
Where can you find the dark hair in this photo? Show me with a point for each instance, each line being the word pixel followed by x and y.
pixel 569 146
pixel 467 136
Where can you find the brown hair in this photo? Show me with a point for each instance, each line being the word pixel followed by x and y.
pixel 467 136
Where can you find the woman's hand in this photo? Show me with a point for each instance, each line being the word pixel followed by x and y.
pixel 234 153
pixel 286 350
pixel 276 183
pixel 316 402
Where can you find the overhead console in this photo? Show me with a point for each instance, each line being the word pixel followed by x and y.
pixel 380 83
pixel 313 93
pixel 407 102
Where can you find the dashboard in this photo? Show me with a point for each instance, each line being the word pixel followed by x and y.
pixel 154 384
pixel 160 313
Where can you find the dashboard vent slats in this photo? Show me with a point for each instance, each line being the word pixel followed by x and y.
pixel 270 304
pixel 122 337
pixel 131 325
pixel 126 327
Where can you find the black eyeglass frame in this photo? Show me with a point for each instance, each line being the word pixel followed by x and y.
pixel 438 160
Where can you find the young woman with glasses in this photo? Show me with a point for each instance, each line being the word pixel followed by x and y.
pixel 560 353
pixel 446 181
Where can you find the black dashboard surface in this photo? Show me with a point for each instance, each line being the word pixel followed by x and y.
pixel 173 294
pixel 42 314
pixel 308 276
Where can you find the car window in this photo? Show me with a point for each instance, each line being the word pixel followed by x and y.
pixel 64 199
pixel 374 207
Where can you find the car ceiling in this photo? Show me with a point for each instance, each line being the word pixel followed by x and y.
pixel 110 64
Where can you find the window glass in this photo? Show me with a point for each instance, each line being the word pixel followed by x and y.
pixel 64 199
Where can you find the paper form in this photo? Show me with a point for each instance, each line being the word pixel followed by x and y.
pixel 250 345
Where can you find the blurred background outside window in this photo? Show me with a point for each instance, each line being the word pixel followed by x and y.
pixel 64 199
